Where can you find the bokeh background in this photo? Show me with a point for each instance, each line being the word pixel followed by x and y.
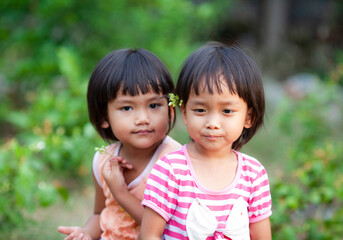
pixel 49 49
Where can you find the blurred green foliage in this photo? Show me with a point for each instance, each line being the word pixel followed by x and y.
pixel 308 196
pixel 49 49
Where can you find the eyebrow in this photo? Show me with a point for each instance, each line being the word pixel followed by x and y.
pixel 129 99
pixel 201 102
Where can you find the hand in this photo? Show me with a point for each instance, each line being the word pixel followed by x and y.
pixel 74 233
pixel 113 173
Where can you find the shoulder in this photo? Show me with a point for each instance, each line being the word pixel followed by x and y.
pixel 171 142
pixel 99 158
pixel 250 161
pixel 174 159
pixel 174 163
pixel 251 166
pixel 170 170
pixel 175 155
pixel 111 148
pixel 168 145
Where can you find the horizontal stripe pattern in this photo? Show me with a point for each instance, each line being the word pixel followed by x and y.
pixel 171 189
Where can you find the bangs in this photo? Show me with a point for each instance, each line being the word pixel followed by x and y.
pixel 210 73
pixel 142 80
pixel 208 67
pixel 139 73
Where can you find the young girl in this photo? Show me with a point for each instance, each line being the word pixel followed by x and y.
pixel 127 103
pixel 207 189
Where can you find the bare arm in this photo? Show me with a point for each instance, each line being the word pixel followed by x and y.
pixel 261 230
pixel 92 226
pixel 130 204
pixel 152 225
pixel 113 175
pixel 91 230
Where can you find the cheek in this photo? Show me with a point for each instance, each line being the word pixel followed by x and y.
pixel 119 126
pixel 161 118
pixel 184 116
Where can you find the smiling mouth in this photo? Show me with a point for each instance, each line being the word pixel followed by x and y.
pixel 212 137
pixel 143 132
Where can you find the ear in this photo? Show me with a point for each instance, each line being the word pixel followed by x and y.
pixel 105 124
pixel 248 122
pixel 172 113
pixel 183 112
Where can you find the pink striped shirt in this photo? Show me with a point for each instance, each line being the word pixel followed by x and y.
pixel 172 187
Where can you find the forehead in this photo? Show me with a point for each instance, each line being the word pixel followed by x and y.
pixel 213 84
pixel 139 97
pixel 215 100
pixel 224 93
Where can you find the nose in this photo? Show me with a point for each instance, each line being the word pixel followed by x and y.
pixel 213 122
pixel 142 117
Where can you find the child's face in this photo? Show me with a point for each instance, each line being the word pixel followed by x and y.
pixel 215 121
pixel 140 121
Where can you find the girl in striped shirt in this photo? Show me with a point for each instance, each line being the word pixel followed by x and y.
pixel 208 189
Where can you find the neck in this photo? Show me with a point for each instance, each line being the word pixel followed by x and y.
pixel 198 152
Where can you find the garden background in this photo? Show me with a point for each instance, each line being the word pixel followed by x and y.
pixel 49 49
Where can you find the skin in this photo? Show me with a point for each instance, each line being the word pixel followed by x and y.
pixel 140 122
pixel 214 122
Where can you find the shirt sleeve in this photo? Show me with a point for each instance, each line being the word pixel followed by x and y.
pixel 260 202
pixel 161 190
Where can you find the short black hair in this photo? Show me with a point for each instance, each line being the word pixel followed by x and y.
pixel 203 69
pixel 133 71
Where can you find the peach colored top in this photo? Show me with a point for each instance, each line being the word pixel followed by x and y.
pixel 115 222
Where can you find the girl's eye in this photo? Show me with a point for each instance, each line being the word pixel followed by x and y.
pixel 227 111
pixel 126 108
pixel 199 110
pixel 154 105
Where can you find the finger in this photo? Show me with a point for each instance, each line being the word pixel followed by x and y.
pixel 119 158
pixel 126 166
pixel 107 164
pixel 65 230
pixel 114 160
pixel 122 161
pixel 79 237
pixel 70 237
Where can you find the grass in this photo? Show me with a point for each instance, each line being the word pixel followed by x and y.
pixel 73 212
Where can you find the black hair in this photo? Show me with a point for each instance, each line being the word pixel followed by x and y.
pixel 133 71
pixel 203 70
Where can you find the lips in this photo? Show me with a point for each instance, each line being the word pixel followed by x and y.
pixel 212 136
pixel 143 132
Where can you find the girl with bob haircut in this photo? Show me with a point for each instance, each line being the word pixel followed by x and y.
pixel 128 106
pixel 208 189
